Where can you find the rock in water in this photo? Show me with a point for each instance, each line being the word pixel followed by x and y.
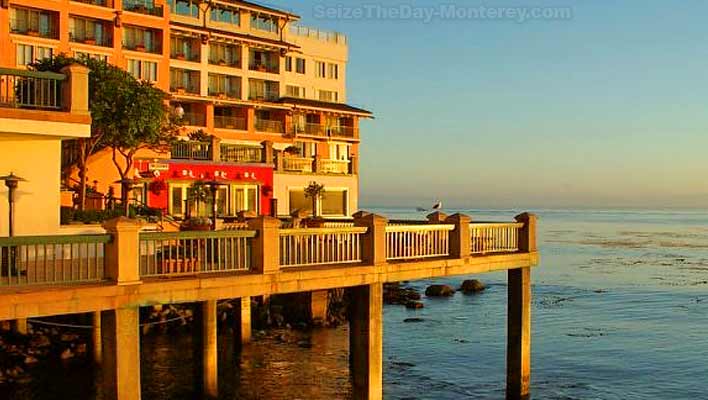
pixel 472 286
pixel 439 291
pixel 410 320
pixel 414 305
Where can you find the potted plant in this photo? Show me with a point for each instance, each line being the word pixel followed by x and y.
pixel 314 191
pixel 222 62
pixel 180 56
pixel 140 47
pixel 32 32
pixel 196 224
pixel 89 41
pixel 157 187
pixel 292 151
pixel 177 259
pixel 180 89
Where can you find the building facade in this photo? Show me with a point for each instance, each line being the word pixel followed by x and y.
pixel 270 96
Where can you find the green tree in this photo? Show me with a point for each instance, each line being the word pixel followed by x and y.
pixel 127 115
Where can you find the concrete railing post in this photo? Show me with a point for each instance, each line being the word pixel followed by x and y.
pixel 121 259
pixel 438 217
pixel 215 149
pixel 373 242
pixel 460 240
pixel 354 165
pixel 75 89
pixel 527 235
pixel 316 164
pixel 267 154
pixel 265 248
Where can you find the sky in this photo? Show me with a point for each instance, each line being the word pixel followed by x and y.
pixel 605 109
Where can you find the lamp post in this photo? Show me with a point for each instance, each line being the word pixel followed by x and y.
pixel 213 188
pixel 11 181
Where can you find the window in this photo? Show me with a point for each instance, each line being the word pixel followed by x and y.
pixel 33 22
pixel 332 71
pixel 226 15
pixel 184 48
pixel 244 198
pixel 178 195
pixel 264 61
pixel 334 203
pixel 328 96
pixel 142 39
pixel 289 64
pixel 225 54
pixel 263 90
pixel 339 151
pixel 298 201
pixel 264 22
pixel 93 56
pixel 300 65
pixel 189 8
pixel 145 70
pixel 294 91
pixel 27 54
pixel 320 69
pixel 229 86
pixel 307 149
pixel 184 79
pixel 89 31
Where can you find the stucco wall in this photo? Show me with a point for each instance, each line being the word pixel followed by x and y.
pixel 38 160
pixel 283 183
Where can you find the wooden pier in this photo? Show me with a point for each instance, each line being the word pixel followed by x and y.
pixel 113 275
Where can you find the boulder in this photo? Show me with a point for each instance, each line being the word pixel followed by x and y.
pixel 439 291
pixel 414 305
pixel 472 286
pixel 413 320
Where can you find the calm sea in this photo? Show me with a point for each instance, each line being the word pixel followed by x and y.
pixel 620 311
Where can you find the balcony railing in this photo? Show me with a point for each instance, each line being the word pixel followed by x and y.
pixel 194 119
pixel 310 129
pixel 191 87
pixel 191 150
pixel 297 164
pixel 186 253
pixel 193 56
pixel 147 7
pixel 406 242
pixel 241 154
pixel 320 246
pixel 228 122
pixel 102 3
pixel 263 94
pixel 333 166
pixel 25 27
pixel 269 67
pixel 232 93
pixel 34 260
pixel 265 125
pixel 28 89
pixel 90 38
pixel 341 131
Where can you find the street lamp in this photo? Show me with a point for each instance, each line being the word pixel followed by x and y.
pixel 179 111
pixel 214 187
pixel 11 181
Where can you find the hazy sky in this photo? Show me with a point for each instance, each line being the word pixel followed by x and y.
pixel 606 109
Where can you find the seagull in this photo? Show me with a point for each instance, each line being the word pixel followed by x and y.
pixel 438 205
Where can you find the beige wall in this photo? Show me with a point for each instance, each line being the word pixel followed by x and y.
pixel 38 160
pixel 283 183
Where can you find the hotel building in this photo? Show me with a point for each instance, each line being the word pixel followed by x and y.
pixel 269 94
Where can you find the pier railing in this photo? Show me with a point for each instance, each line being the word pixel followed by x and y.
pixel 320 246
pixel 185 253
pixel 260 246
pixel 494 237
pixel 35 260
pixel 405 242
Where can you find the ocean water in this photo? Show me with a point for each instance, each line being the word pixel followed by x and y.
pixel 620 311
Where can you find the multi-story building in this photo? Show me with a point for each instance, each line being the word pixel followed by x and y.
pixel 271 93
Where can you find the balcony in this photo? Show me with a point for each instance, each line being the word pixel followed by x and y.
pixel 185 48
pixel 297 164
pixel 224 86
pixel 190 150
pixel 265 125
pixel 184 81
pixel 310 129
pixel 229 122
pixel 342 132
pixel 30 27
pixel 102 3
pixel 225 54
pixel 194 119
pixel 241 154
pixel 269 67
pixel 333 166
pixel 144 40
pixel 33 90
pixel 146 7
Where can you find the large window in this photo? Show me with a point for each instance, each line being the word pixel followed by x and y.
pixel 332 71
pixel 226 15
pixel 142 39
pixel 320 69
pixel 27 54
pixel 230 200
pixel 224 85
pixel 294 91
pixel 89 31
pixel 189 8
pixel 298 201
pixel 339 151
pixel 184 80
pixel 334 203
pixel 184 48
pixel 328 96
pixel 300 65
pixel 225 54
pixel 32 22
pixel 141 69
pixel 264 22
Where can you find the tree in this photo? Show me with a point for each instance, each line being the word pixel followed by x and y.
pixel 127 115
pixel 314 191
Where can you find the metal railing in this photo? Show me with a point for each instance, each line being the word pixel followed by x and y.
pixel 194 119
pixel 241 154
pixel 494 237
pixel 102 3
pixel 105 40
pixel 297 164
pixel 191 87
pixel 187 253
pixel 147 7
pixel 406 242
pixel 314 33
pixel 35 260
pixel 320 246
pixel 191 150
pixel 265 125
pixel 29 89
pixel 338 224
pixel 310 129
pixel 228 122
pixel 270 67
pixel 30 27
pixel 326 166
pixel 263 94
pixel 341 131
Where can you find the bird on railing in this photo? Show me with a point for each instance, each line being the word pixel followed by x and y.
pixel 438 206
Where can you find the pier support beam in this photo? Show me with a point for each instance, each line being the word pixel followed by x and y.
pixel 318 306
pixel 20 326
pixel 242 318
pixel 121 353
pixel 205 350
pixel 96 338
pixel 366 341
pixel 518 348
